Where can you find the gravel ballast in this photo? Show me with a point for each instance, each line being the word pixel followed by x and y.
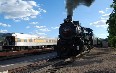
pixel 98 60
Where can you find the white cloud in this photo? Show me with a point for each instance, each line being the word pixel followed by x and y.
pixel 16 20
pixel 54 27
pixel 20 9
pixel 28 27
pixel 39 27
pixel 39 34
pixel 102 35
pixel 33 16
pixel 5 25
pixel 100 23
pixel 26 18
pixel 3 31
pixel 42 28
pixel 103 18
pixel 42 10
pixel 34 23
pixel 107 9
pixel 101 12
pixel 105 15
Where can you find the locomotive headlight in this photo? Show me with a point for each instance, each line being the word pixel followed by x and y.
pixel 66 30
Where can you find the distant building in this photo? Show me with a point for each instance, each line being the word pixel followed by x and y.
pixel 99 42
pixel 104 43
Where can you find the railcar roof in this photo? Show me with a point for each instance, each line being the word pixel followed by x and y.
pixel 23 36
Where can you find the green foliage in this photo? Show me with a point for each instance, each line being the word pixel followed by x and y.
pixel 112 41
pixel 112 25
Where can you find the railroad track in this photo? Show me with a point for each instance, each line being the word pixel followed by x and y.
pixel 58 64
pixel 44 66
pixel 23 62
pixel 17 54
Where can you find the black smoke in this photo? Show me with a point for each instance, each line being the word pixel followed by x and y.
pixel 72 4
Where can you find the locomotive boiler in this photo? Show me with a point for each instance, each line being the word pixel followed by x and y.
pixel 73 38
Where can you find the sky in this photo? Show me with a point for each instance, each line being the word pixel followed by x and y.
pixel 43 17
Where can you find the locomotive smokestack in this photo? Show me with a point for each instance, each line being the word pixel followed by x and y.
pixel 72 4
pixel 69 17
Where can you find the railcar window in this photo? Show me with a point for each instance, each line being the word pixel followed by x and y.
pixel 25 40
pixel 46 40
pixel 30 40
pixel 18 40
pixel 49 40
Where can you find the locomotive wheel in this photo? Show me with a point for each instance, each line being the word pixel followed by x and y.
pixel 59 49
pixel 79 46
pixel 62 51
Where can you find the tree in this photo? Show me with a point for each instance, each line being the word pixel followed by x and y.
pixel 112 25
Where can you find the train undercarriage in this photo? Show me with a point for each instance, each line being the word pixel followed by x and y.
pixel 14 51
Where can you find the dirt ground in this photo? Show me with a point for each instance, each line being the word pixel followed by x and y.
pixel 98 60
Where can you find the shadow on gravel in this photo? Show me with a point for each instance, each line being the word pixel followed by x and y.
pixel 97 53
pixel 85 62
pixel 94 55
pixel 89 57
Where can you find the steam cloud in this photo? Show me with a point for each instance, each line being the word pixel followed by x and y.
pixel 72 4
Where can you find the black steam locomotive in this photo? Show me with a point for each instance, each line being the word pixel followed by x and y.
pixel 73 38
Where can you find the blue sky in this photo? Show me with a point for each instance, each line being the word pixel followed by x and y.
pixel 43 17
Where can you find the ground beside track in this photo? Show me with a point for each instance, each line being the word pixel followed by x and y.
pixel 23 61
pixel 99 60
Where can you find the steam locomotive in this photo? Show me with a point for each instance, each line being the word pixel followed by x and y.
pixel 73 38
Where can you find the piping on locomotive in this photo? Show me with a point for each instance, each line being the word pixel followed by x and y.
pixel 73 38
pixel 18 43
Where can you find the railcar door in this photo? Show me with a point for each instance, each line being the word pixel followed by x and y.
pixel 10 40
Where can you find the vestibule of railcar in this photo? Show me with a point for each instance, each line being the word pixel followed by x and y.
pixel 9 41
